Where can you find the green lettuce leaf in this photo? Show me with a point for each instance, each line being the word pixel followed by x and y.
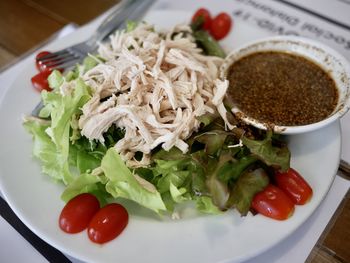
pixel 44 149
pixel 83 160
pixel 54 139
pixel 213 140
pixel 173 154
pixel 218 189
pixel 122 183
pixel 179 195
pixel 248 184
pixel 178 178
pixel 232 170
pixel 63 108
pixel 87 183
pixel 205 204
pixel 175 178
pixel 207 118
pixel 49 100
pixel 168 201
pixel 89 63
pixel 130 25
pixel 55 79
pixel 72 75
pixel 278 157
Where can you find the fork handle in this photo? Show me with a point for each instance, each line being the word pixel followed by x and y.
pixel 127 9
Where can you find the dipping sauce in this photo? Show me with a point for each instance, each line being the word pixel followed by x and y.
pixel 282 89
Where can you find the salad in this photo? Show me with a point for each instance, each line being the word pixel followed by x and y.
pixel 147 119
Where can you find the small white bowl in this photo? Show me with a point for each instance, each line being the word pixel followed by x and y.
pixel 327 58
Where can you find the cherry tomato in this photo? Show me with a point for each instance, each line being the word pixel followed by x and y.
pixel 294 185
pixel 77 213
pixel 206 16
pixel 274 203
pixel 108 223
pixel 41 67
pixel 40 82
pixel 220 26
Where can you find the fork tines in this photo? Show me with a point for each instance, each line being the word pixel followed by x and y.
pixel 61 59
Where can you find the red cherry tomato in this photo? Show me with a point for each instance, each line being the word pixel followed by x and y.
pixel 41 67
pixel 206 16
pixel 220 26
pixel 108 223
pixel 40 82
pixel 294 185
pixel 273 202
pixel 77 213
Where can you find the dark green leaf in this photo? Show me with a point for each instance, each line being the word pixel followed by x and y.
pixel 269 154
pixel 87 162
pixel 145 173
pixel 173 154
pixel 198 178
pixel 168 201
pixel 218 189
pixel 197 23
pixel 245 188
pixel 200 158
pixel 209 45
pixel 232 170
pixel 207 118
pixel 213 140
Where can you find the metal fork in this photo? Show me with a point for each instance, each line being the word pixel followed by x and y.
pixel 126 10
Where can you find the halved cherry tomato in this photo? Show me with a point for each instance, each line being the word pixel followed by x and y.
pixel 294 185
pixel 220 26
pixel 77 213
pixel 206 17
pixel 40 82
pixel 41 67
pixel 273 202
pixel 108 223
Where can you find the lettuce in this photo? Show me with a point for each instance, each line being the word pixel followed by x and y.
pixel 248 184
pixel 83 160
pixel 87 183
pixel 205 204
pixel 231 171
pixel 179 195
pixel 277 157
pixel 53 146
pixel 123 183
pixel 44 149
pixel 130 25
pixel 89 63
pixel 213 141
pixel 55 79
pixel 63 108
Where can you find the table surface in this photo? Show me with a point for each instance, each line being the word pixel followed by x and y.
pixel 30 22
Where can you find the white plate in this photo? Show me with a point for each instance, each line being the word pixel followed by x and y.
pixel 36 199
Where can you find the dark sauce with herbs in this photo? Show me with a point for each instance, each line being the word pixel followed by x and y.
pixel 282 89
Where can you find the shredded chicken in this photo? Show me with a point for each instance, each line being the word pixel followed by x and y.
pixel 156 85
